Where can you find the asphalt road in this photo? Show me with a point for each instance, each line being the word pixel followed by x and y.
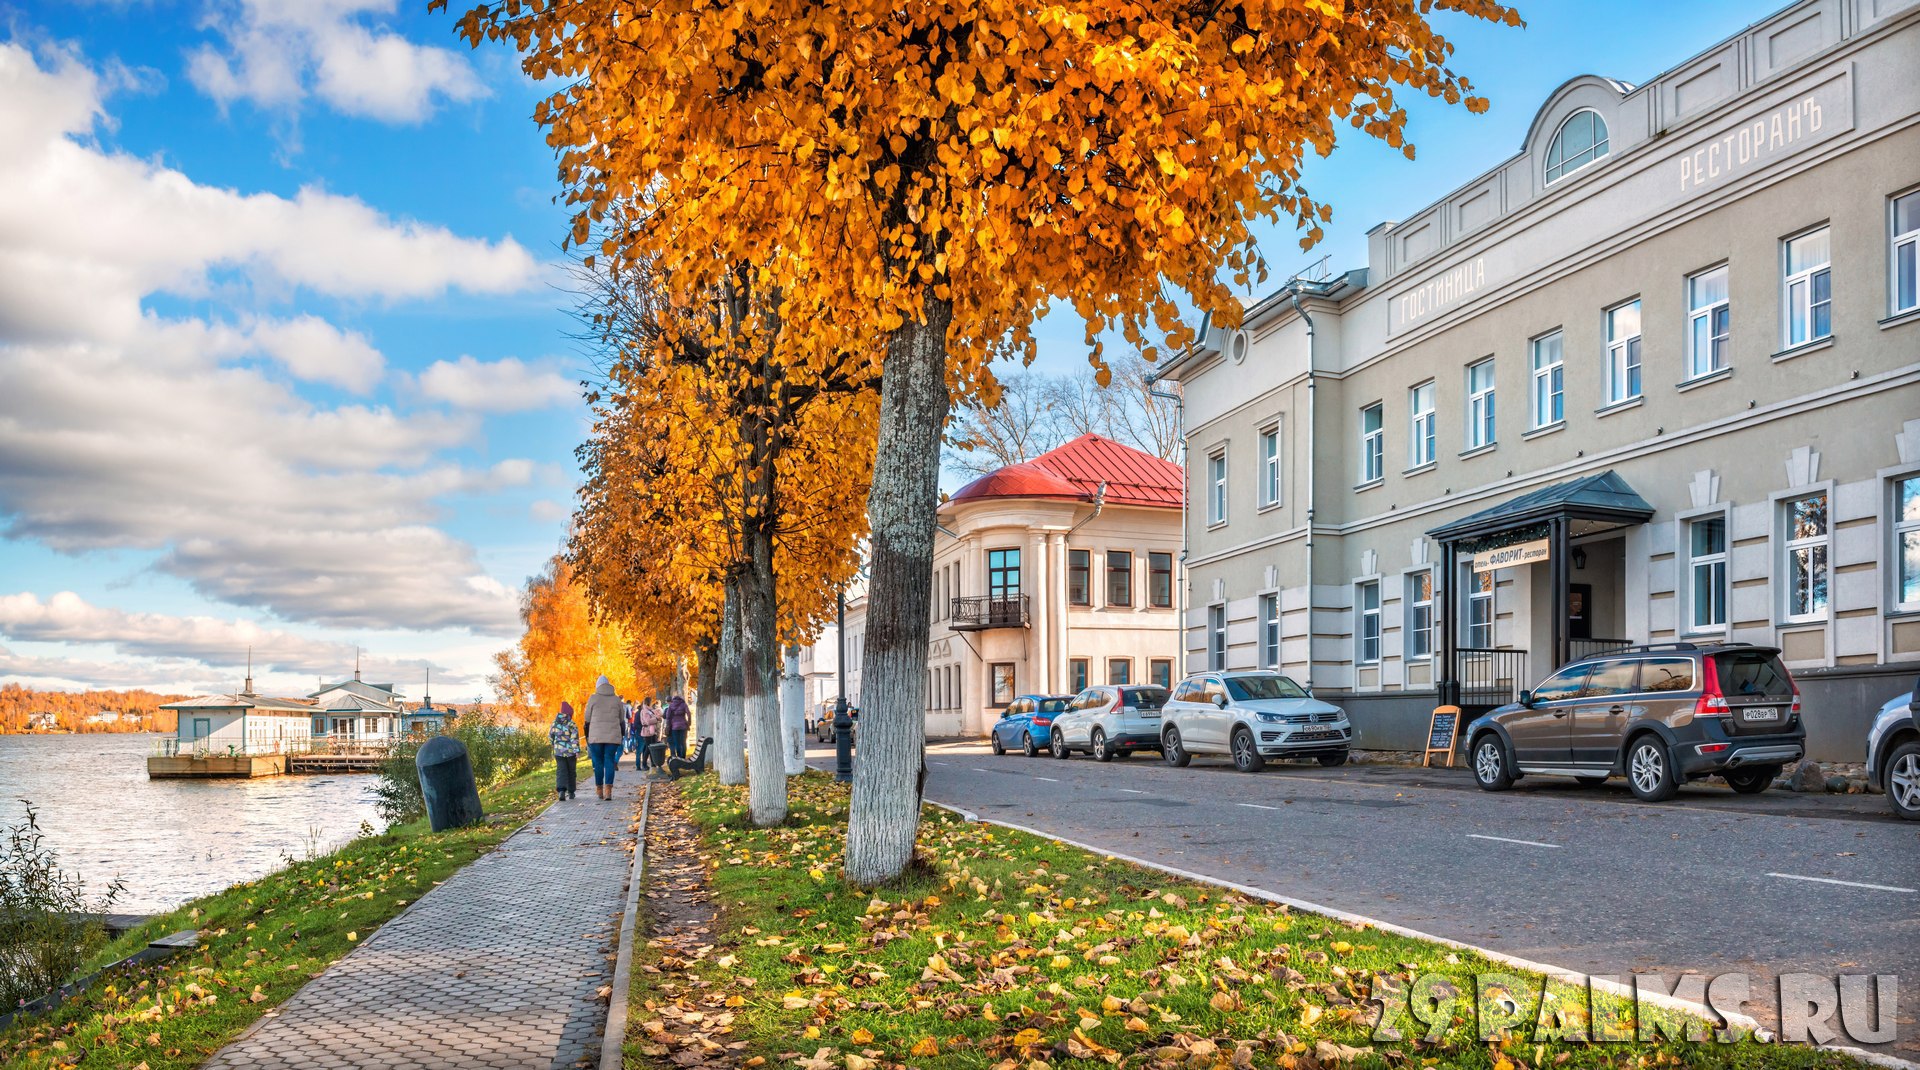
pixel 1591 880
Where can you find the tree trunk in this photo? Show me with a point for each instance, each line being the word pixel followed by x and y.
pixel 793 712
pixel 884 816
pixel 729 730
pixel 706 689
pixel 760 662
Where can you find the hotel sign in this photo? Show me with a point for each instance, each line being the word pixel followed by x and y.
pixel 1780 132
pixel 1520 553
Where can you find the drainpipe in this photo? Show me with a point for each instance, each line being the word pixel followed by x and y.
pixel 1312 460
pixel 1180 585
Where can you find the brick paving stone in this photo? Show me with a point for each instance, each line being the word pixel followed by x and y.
pixel 492 968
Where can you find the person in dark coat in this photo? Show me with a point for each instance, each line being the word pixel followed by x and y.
pixel 677 721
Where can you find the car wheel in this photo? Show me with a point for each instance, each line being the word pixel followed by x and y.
pixel 1171 750
pixel 1590 781
pixel 1490 769
pixel 1752 781
pixel 1903 781
pixel 1101 752
pixel 998 747
pixel 1650 770
pixel 1332 760
pixel 1057 744
pixel 1026 745
pixel 1246 756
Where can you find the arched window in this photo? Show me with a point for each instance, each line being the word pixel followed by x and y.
pixel 1582 139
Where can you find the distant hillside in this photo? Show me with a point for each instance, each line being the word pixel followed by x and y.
pixel 81 711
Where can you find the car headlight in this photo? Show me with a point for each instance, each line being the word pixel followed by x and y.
pixel 1270 718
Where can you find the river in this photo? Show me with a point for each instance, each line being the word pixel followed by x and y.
pixel 169 840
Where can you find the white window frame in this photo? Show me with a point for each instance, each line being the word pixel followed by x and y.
pixel 1419 632
pixel 1602 145
pixel 1422 442
pixel 1690 624
pixel 1373 444
pixel 1804 279
pixel 1791 546
pixel 1366 623
pixel 1899 241
pixel 1481 429
pixel 1621 360
pixel 1901 529
pixel 1476 596
pixel 1216 637
pixel 1701 317
pixel 1217 487
pixel 1548 384
pixel 1270 466
pixel 1270 630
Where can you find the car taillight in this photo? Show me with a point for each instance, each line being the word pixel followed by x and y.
pixel 1796 696
pixel 1043 721
pixel 1712 701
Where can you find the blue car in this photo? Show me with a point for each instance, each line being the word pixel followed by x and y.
pixel 1027 723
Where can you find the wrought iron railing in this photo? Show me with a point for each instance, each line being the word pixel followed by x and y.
pixel 1006 611
pixel 1586 648
pixel 1490 677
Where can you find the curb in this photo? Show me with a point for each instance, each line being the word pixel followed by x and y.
pixel 1557 973
pixel 612 1040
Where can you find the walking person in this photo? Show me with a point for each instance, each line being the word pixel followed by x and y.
pixel 646 727
pixel 678 719
pixel 566 752
pixel 602 718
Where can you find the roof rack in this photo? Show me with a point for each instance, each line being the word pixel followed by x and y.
pixel 1682 645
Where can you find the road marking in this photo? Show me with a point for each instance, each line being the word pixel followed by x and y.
pixel 1256 806
pixel 979 769
pixel 1132 791
pixel 1048 779
pixel 936 763
pixel 1503 839
pixel 1846 884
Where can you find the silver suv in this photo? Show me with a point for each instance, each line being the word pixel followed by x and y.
pixel 1110 721
pixel 1893 753
pixel 1250 717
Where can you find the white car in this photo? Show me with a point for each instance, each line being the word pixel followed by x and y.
pixel 1109 722
pixel 1893 753
pixel 1251 717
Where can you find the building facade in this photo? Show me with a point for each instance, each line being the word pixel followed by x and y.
pixel 1655 377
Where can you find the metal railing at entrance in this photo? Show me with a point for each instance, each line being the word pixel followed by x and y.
pixel 1490 677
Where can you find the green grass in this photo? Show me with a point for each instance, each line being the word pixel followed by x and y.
pixel 259 942
pixel 1001 949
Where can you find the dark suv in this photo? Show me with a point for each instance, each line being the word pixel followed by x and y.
pixel 1660 715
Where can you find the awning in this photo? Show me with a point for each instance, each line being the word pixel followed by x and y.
pixel 1604 497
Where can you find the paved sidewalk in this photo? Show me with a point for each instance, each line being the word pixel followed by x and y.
pixel 498 967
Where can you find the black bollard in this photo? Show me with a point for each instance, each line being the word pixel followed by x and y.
pixel 446 784
pixel 842 741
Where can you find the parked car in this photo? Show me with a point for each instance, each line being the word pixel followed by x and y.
pixel 1893 753
pixel 1659 715
pixel 1109 722
pixel 823 728
pixel 1250 717
pixel 1027 723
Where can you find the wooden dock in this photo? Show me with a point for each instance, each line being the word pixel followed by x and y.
pixel 214 766
pixel 357 760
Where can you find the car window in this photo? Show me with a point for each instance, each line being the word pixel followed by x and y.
pixel 1211 691
pixel 1666 674
pixel 1564 684
pixel 1751 672
pixel 1185 692
pixel 1145 698
pixel 1244 688
pixel 1052 705
pixel 1610 678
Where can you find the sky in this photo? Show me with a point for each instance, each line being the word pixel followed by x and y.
pixel 287 358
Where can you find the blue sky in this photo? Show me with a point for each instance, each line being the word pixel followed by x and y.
pixel 285 341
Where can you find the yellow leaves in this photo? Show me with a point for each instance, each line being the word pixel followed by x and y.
pixel 1026 1038
pixel 353 937
pixel 924 1048
pixel 1243 44
pixel 1137 1025
pixel 1061 962
pixel 794 1001
pixel 862 1036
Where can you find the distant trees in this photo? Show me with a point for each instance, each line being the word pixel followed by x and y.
pixel 565 650
pixel 1032 413
pixel 139 710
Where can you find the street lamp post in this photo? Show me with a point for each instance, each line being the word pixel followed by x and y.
pixel 842 720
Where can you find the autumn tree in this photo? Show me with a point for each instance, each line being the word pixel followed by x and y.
pixel 565 648
pixel 951 172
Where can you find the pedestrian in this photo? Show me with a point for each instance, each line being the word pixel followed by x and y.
pixel 647 729
pixel 602 718
pixel 678 719
pixel 566 751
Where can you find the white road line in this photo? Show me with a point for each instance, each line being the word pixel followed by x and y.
pixel 1256 806
pixel 937 763
pixel 1048 779
pixel 1845 884
pixel 1523 843
pixel 979 769
pixel 1131 791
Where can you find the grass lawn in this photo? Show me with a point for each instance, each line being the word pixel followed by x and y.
pixel 1005 950
pixel 259 942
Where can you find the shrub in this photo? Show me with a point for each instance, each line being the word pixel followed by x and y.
pixel 498 751
pixel 44 936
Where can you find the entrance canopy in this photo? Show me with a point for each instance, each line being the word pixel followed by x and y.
pixel 1604 497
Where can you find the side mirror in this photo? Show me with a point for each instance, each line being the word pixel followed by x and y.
pixel 1526 699
pixel 1220 701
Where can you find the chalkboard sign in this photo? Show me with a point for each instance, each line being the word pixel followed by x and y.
pixel 1440 731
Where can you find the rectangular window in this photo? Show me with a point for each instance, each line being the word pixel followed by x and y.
pixel 1906 540
pixel 1707 574
pixel 1549 385
pixel 1480 404
pixel 1216 637
pixel 1420 434
pixel 1906 253
pixel 1003 574
pixel 1270 466
pixel 1079 577
pixel 1420 615
pixel 1270 631
pixel 1160 672
pixel 1119 578
pixel 1003 683
pixel 1709 322
pixel 1160 580
pixel 1119 670
pixel 1480 611
pixel 1077 674
pixel 1373 443
pixel 1217 488
pixel 1807 291
pixel 1623 352
pixel 1366 610
pixel 1806 564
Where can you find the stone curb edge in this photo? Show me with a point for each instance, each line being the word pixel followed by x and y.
pixel 1555 972
pixel 612 1040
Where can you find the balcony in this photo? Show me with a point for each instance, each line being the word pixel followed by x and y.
pixel 979 614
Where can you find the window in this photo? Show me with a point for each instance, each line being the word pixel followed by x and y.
pixel 1217 488
pixel 1373 443
pixel 1480 612
pixel 1079 577
pixel 1270 466
pixel 1806 564
pixel 1367 607
pixel 1216 637
pixel 1480 404
pixel 1077 675
pixel 1709 322
pixel 1269 631
pixel 1160 672
pixel 1666 674
pixel 1160 580
pixel 1611 678
pixel 1707 574
pixel 1906 541
pixel 1623 352
pixel 1808 294
pixel 1565 684
pixel 1420 425
pixel 1003 574
pixel 1582 140
pixel 1420 615
pixel 1119 578
pixel 1549 401
pixel 1003 686
pixel 1906 253
pixel 1119 670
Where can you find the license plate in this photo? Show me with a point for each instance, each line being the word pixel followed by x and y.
pixel 1316 733
pixel 1763 713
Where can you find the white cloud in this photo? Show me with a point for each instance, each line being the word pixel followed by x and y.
pixel 73 674
pixel 548 511
pixel 317 351
pixel 277 52
pixel 505 385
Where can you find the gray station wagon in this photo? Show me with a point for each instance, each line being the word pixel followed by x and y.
pixel 1659 715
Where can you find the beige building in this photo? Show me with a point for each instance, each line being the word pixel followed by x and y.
pixel 1655 377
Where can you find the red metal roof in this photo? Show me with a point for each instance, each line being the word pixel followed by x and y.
pixel 1076 470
